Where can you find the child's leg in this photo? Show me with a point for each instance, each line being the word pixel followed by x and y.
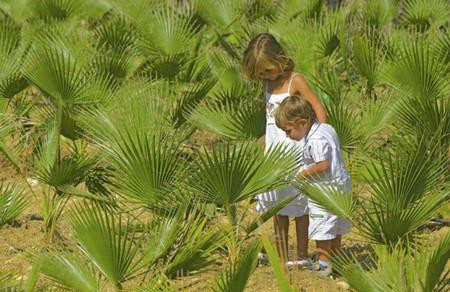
pixel 281 226
pixel 336 244
pixel 301 226
pixel 324 249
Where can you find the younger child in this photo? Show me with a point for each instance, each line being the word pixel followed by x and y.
pixel 266 61
pixel 322 166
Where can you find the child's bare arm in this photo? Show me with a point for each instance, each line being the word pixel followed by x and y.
pixel 301 87
pixel 316 170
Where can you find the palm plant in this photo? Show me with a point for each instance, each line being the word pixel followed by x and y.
pixel 13 200
pixel 235 114
pixel 116 250
pixel 399 269
pixel 11 54
pixel 166 37
pixel 236 276
pixel 425 15
pixel 379 13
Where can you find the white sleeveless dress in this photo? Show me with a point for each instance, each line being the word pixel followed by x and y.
pixel 274 135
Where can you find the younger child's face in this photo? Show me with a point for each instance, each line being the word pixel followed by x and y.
pixel 298 130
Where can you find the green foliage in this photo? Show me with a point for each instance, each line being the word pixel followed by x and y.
pixel 399 269
pixel 235 278
pixel 13 200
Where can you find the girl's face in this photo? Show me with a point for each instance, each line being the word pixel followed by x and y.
pixel 269 72
pixel 298 130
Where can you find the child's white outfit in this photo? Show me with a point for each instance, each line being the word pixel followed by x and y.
pixel 274 135
pixel 322 143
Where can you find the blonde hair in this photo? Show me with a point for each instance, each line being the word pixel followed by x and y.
pixel 263 51
pixel 292 109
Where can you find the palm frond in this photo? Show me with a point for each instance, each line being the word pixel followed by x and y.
pixel 418 72
pixel 13 200
pixel 234 172
pixel 234 114
pixel 397 269
pixel 277 266
pixel 189 100
pixel 338 202
pixel 68 272
pixel 404 193
pixel 197 248
pixel 149 167
pixel 235 277
pixel 110 246
pixel 424 15
pixel 379 13
pixel 222 14
pixel 11 53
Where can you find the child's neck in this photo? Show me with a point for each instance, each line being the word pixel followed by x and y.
pixel 278 83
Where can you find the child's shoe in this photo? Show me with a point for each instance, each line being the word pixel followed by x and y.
pixel 323 268
pixel 300 262
pixel 263 259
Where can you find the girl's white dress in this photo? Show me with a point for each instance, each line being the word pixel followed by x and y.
pixel 274 135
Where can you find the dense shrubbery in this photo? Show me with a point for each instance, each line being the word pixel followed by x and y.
pixel 100 101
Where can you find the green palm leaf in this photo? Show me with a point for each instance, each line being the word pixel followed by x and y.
pixel 11 53
pixel 110 246
pixel 234 114
pixel 379 13
pixel 19 10
pixel 235 277
pixel 398 269
pixel 148 167
pixel 68 272
pixel 424 15
pixel 198 247
pixel 418 72
pixel 13 200
pixel 404 193
pixel 368 54
pixel 277 266
pixel 338 202
pixel 232 173
pixel 189 99
pixel 221 14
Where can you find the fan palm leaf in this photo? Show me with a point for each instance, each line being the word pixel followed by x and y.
pixel 368 54
pixel 110 246
pixel 13 200
pixel 398 269
pixel 424 15
pixel 53 66
pixel 338 202
pixel 11 53
pixel 166 36
pixel 404 193
pixel 277 266
pixel 221 14
pixel 197 250
pixel 232 173
pixel 235 277
pixel 379 13
pixel 189 99
pixel 149 166
pixel 68 272
pixel 234 114
pixel 418 72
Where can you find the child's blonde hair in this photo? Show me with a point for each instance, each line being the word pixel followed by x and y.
pixel 262 51
pixel 292 109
